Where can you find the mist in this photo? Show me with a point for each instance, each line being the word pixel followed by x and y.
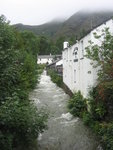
pixel 35 12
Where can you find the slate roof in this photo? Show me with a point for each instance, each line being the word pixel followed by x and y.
pixel 48 56
pixel 45 56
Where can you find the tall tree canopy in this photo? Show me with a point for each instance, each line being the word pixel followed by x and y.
pixel 102 55
pixel 20 121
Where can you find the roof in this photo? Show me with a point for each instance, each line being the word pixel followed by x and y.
pixel 60 62
pixel 53 63
pixel 48 56
pixel 89 31
pixel 93 28
pixel 45 56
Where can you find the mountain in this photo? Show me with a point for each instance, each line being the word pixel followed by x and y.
pixel 48 29
pixel 77 25
pixel 82 22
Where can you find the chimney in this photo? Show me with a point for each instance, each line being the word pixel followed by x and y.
pixel 65 45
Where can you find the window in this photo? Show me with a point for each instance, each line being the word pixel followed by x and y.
pixel 75 53
pixel 82 49
pixel 74 76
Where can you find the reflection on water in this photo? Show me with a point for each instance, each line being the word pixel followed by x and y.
pixel 64 131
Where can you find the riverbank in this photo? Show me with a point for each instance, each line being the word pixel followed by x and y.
pixel 58 80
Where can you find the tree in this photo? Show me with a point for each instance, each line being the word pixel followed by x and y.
pixel 44 45
pixel 20 121
pixel 30 42
pixel 102 55
pixel 59 43
pixel 72 40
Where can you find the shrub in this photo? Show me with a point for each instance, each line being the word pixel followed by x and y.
pixel 20 121
pixel 106 133
pixel 87 119
pixel 95 119
pixel 102 95
pixel 97 107
pixel 77 104
pixel 41 67
pixel 55 78
pixel 6 140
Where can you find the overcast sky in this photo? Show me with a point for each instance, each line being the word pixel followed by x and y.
pixel 35 12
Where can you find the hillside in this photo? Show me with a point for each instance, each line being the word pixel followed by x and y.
pixel 77 25
pixel 47 29
pixel 82 22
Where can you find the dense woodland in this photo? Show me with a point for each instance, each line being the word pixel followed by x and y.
pixel 20 121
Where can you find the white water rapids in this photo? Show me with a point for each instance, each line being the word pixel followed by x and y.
pixel 64 131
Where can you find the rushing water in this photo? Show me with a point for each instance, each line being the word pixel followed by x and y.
pixel 64 131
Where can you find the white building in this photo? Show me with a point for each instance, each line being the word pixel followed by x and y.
pixel 78 73
pixel 59 63
pixel 45 59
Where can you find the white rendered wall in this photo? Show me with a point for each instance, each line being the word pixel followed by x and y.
pixel 86 75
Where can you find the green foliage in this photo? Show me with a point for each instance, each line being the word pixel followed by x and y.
pixel 106 132
pixel 83 32
pixel 72 40
pixel 41 67
pixel 98 113
pixel 55 78
pixel 54 49
pixel 44 45
pixel 100 110
pixel 59 43
pixel 97 108
pixel 96 120
pixel 77 104
pixel 6 141
pixel 101 98
pixel 103 57
pixel 87 119
pixel 20 121
pixel 77 26
pixel 30 42
pixel 28 71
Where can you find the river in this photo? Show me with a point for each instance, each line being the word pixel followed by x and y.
pixel 64 131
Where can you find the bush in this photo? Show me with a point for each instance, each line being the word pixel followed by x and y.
pixel 93 114
pixel 101 98
pixel 97 107
pixel 95 119
pixel 77 104
pixel 87 119
pixel 106 133
pixel 20 121
pixel 55 78
pixel 6 140
pixel 41 67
